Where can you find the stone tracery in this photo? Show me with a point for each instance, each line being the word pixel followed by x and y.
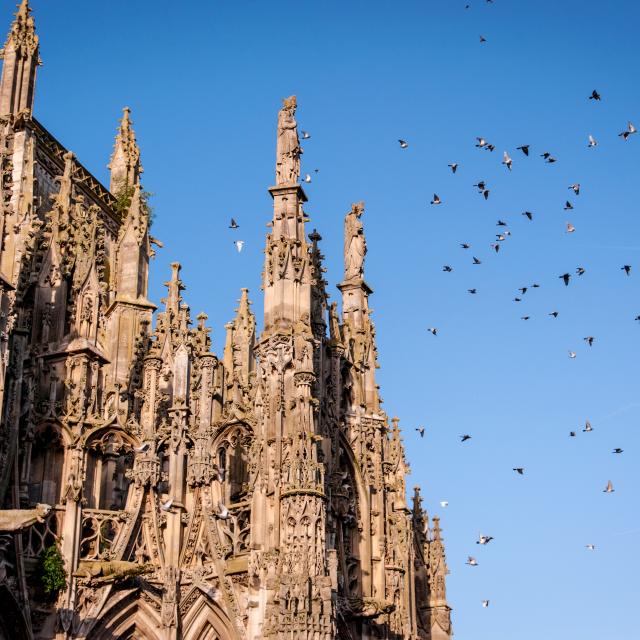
pixel 256 495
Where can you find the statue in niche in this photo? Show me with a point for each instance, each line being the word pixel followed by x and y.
pixel 355 246
pixel 288 149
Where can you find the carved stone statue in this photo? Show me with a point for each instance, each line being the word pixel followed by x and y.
pixel 355 246
pixel 288 149
pixel 18 519
pixel 110 571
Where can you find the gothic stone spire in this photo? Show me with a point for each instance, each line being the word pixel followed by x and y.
pixel 125 161
pixel 20 55
pixel 287 275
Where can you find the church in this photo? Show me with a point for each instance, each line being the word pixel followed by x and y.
pixel 152 489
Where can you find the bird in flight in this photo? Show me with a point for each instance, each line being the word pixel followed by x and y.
pixel 306 135
pixel 495 247
pixel 436 199
pixel 507 161
pixel 592 142
pixel 472 291
pixel 590 547
pixel 626 268
pixel 485 603
pixel 481 142
pixel 444 504
pixel 165 506
pixel 570 228
pixel 465 437
pixel 572 434
pixel 572 354
pixel 447 268
pixel 594 95
pixel 471 561
pixel 420 430
pixel 233 224
pixel 307 177
pixel 554 314
pixel 525 317
pixel 528 214
pixel 433 330
pixel 609 488
pixel 501 223
pixel 482 39
pixel 565 277
pixel 568 206
pixel 575 188
pixel 630 131
pixel 239 244
pixel 587 427
pixel 476 261
pixel 403 143
pixel 484 539
pixel 617 450
pixel 581 271
pixel 453 166
pixel 519 470
pixel 548 157
pixel 524 148
pixel 464 245
pixel 589 340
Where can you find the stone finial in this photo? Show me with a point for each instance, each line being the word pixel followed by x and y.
pixel 125 161
pixel 21 57
pixel 174 286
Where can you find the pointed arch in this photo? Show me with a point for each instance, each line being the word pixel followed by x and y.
pixel 127 618
pixel 206 620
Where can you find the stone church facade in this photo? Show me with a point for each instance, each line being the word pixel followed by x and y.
pixel 256 494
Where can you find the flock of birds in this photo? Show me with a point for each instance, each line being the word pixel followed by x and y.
pixel 484 190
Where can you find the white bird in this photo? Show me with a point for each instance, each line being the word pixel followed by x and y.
pixel 485 603
pixel 575 187
pixel 592 141
pixel 306 135
pixel 591 547
pixel 570 228
pixel 587 427
pixel 142 448
pixel 223 512
pixel 403 144
pixel 239 244
pixel 484 539
pixel 433 330
pixel 444 503
pixel 507 161
pixel 165 506
pixel 307 177
pixel 609 488
pixel 572 354
pixel 472 561
pixel 630 130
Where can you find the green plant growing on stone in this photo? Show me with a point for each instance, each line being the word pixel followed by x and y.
pixel 53 574
pixel 123 201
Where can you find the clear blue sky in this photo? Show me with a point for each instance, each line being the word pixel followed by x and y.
pixel 205 84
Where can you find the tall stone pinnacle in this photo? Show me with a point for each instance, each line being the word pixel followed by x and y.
pixel 21 57
pixel 287 275
pixel 125 161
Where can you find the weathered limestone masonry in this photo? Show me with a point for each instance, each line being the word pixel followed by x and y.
pixel 257 495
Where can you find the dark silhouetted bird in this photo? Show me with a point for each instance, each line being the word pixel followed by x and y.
pixel 594 95
pixel 524 148
pixel 565 277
